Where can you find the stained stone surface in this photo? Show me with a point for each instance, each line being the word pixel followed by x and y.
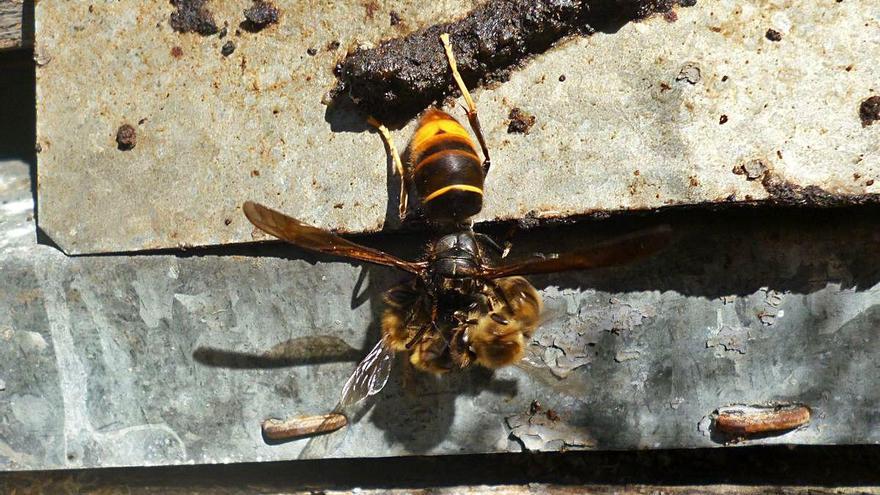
pixel 663 112
pixel 177 358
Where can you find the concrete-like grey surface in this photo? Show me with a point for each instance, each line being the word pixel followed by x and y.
pixel 152 360
pixel 659 113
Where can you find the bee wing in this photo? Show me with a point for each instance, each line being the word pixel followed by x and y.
pixel 369 377
pixel 314 239
pixel 612 253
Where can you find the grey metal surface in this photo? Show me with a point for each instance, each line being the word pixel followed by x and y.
pixel 659 113
pixel 151 360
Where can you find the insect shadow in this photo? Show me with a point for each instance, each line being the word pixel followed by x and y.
pixel 414 409
pixel 731 253
pixel 344 116
pixel 297 351
pixel 714 254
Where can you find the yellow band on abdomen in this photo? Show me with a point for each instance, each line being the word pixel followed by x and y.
pixel 439 126
pixel 456 187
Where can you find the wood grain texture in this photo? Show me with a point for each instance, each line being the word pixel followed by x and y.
pixel 16 24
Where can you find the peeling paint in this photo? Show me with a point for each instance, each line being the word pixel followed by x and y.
pixel 770 311
pixel 534 430
pixel 729 339
pixel 573 349
pixel 563 353
pixel 622 316
pixel 627 355
pixel 690 73
pixel 752 169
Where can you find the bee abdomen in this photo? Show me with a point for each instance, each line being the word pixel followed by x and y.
pixel 447 172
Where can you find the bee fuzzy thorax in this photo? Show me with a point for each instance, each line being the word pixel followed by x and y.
pixel 431 354
pixel 498 338
pixel 495 345
pixel 394 333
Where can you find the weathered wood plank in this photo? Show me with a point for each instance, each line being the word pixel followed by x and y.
pixel 16 24
pixel 36 482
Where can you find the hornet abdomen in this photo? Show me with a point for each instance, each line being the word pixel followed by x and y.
pixel 446 170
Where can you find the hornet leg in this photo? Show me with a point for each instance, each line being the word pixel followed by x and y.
pixel 398 164
pixel 471 106
pixel 499 293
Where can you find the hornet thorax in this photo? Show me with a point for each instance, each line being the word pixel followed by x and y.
pixel 454 261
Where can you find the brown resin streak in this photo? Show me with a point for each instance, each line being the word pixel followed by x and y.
pixel 302 426
pixel 755 420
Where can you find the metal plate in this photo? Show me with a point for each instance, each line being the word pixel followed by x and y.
pixel 637 123
pixel 156 360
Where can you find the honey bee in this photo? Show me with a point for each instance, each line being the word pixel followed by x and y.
pixel 497 337
pixel 404 317
pixel 489 332
pixel 461 306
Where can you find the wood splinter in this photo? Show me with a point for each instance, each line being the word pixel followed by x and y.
pixel 302 426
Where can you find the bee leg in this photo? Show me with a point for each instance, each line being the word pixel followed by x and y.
pixel 471 106
pixel 398 163
pixel 410 317
pixel 435 311
pixel 418 336
pixel 408 379
pixel 460 317
pixel 508 240
pixel 489 305
pixel 432 325
pixel 458 347
pixel 499 293
pixel 464 323
pixel 499 319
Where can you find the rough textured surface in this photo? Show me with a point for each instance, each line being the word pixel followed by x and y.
pixel 634 125
pixel 16 24
pixel 176 359
pixel 26 483
pixel 259 15
pixel 192 16
pixel 869 110
pixel 400 77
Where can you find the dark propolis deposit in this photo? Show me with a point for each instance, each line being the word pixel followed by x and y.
pixel 401 76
